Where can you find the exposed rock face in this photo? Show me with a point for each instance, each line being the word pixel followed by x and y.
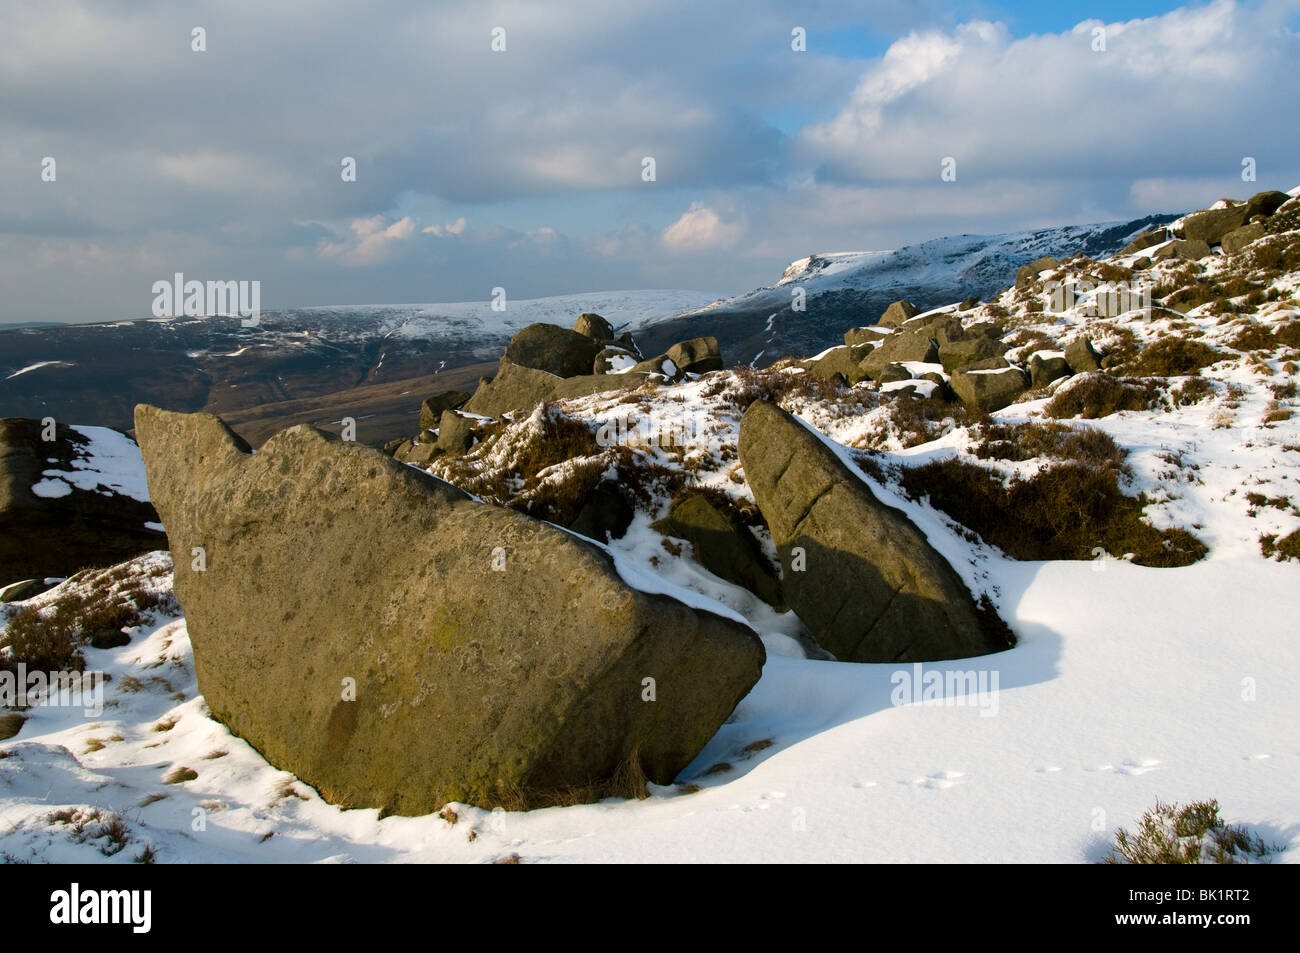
pixel 514 388
pixel 1265 203
pixel 872 588
pixel 1239 238
pixel 989 390
pixel 868 335
pixel 432 408
pixel 595 327
pixel 614 359
pixel 1027 273
pixel 722 544
pixel 496 658
pixel 553 349
pixel 82 520
pixel 897 313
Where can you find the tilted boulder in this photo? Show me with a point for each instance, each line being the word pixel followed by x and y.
pixel 1145 239
pixel 897 313
pixel 989 390
pixel 858 573
pixel 722 544
pixel 553 349
pixel 455 432
pixel 1045 368
pixel 1239 238
pixel 398 645
pixel 1082 356
pixel 432 408
pixel 595 327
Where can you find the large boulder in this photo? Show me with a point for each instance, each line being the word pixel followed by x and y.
pixel 722 544
pixel 1211 225
pixel 1237 239
pixel 1145 239
pixel 899 348
pixel 513 388
pixel 1082 356
pixel 75 501
pixel 455 432
pixel 398 645
pixel 1192 249
pixel 868 335
pixel 696 356
pixel 989 390
pixel 595 327
pixel 960 353
pixel 1265 203
pixel 1046 366
pixel 553 349
pixel 843 361
pixel 1027 274
pixel 614 360
pixel 897 313
pixel 432 408
pixel 858 573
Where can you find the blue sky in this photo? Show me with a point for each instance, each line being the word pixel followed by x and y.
pixel 521 168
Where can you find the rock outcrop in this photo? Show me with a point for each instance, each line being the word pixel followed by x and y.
pixel 858 573
pixel 553 349
pixel 398 645
pixel 721 544
pixel 432 408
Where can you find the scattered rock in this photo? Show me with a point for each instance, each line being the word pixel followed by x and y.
pixel 989 390
pixel 1239 238
pixel 891 373
pixel 1193 249
pixel 594 326
pixel 869 335
pixel 432 408
pixel 1043 369
pixel 553 349
pixel 514 388
pixel 1082 356
pixel 496 658
pixel 900 347
pixel 613 360
pixel 1029 273
pixel 897 313
pixel 843 361
pixel 858 573
pixel 455 432
pixel 1145 239
pixel 961 353
pixel 723 545
pixel 969 303
pixel 606 514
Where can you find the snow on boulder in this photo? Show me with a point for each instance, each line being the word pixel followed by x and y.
pixel 398 645
pixel 858 573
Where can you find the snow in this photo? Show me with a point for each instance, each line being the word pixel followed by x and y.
pixel 109 462
pixel 37 366
pixel 51 489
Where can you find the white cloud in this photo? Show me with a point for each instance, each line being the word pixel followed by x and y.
pixel 455 228
pixel 370 241
pixel 700 228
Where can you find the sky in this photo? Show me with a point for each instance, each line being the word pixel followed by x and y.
pixel 524 168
